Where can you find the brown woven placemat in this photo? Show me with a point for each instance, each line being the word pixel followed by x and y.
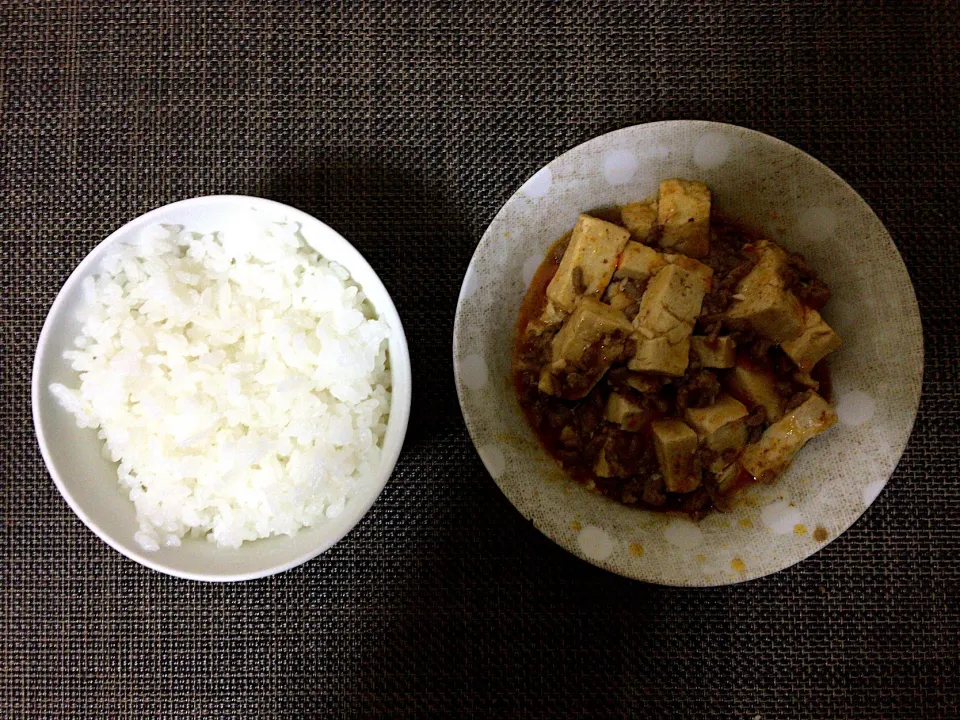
pixel 406 126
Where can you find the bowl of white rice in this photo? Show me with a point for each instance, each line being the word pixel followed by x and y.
pixel 221 388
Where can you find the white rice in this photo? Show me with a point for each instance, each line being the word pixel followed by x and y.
pixel 239 379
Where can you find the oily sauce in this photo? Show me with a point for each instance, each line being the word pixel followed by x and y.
pixel 535 300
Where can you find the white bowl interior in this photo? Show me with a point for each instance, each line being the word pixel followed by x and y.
pixel 89 483
pixel 774 188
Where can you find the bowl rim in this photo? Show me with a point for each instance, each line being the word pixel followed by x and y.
pixel 400 398
pixel 706 126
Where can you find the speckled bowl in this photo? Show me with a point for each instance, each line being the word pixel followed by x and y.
pixel 770 186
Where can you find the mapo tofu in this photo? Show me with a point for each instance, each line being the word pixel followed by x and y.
pixel 668 358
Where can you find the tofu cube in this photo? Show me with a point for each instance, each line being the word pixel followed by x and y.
pixel 815 342
pixel 755 386
pixel 683 209
pixel 721 353
pixel 591 323
pixel 551 315
pixel 602 467
pixel 675 444
pixel 606 465
pixel 663 326
pixel 639 262
pixel 643 383
pixel 639 218
pixel 764 304
pixel 629 415
pixel 588 263
pixel 661 356
pixel 806 379
pixel 615 297
pixel 772 454
pixel 703 272
pixel 721 427
pixel 673 296
pixel 591 339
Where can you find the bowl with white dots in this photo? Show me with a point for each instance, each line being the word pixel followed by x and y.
pixel 773 188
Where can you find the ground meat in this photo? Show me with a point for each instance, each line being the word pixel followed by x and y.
pixel 729 455
pixel 659 403
pixel 702 460
pixel 724 287
pixel 578 379
pixel 569 458
pixel 558 417
pixel 742 336
pixel 725 255
pixel 755 423
pixel 784 389
pixel 634 288
pixel 734 277
pixel 715 303
pixel 591 356
pixel 712 331
pixel 617 379
pixel 695 502
pixel 783 366
pixel 629 454
pixel 730 264
pixel 589 412
pixel 632 491
pixel 814 295
pixel 584 454
pixel 535 349
pixel 797 400
pixel 720 501
pixel 803 281
pixel 697 389
pixel 757 417
pixel 654 490
pixel 760 348
pixel 575 382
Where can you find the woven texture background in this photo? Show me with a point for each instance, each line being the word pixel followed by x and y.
pixel 405 127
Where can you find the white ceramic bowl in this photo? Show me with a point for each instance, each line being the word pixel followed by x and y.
pixel 877 374
pixel 89 483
